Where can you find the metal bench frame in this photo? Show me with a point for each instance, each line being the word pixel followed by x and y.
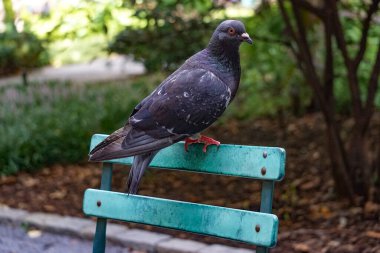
pixel 259 228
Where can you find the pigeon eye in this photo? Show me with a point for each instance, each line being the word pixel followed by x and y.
pixel 231 31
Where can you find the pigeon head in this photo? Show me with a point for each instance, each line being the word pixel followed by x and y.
pixel 229 34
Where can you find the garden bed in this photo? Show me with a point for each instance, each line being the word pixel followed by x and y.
pixel 312 217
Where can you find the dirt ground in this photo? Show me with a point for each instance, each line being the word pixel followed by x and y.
pixel 312 217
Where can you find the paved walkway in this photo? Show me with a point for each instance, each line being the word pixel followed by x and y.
pixel 103 69
pixel 16 239
pixel 56 234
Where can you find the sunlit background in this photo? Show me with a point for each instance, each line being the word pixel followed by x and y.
pixel 69 69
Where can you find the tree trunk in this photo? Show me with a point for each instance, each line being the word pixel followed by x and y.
pixel 376 166
pixel 352 170
pixel 359 162
pixel 9 14
pixel 339 164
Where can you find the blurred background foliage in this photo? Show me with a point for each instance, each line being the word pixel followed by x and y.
pixel 16 55
pixel 52 122
pixel 47 123
pixel 77 31
pixel 19 49
pixel 171 32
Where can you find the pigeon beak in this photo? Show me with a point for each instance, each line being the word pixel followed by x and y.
pixel 246 38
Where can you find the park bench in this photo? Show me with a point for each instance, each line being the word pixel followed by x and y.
pixel 258 228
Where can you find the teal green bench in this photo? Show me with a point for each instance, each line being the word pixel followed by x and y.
pixel 258 228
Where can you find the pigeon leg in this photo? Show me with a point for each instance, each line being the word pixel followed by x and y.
pixel 202 139
pixel 189 141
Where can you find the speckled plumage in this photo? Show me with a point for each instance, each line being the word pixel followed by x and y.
pixel 184 104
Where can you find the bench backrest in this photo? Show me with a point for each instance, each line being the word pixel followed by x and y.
pixel 259 228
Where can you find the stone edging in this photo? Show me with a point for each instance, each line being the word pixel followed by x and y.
pixel 134 238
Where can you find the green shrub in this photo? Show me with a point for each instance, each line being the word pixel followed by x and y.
pixel 51 123
pixel 20 51
pixel 172 31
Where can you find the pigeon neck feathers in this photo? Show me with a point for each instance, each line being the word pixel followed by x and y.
pixel 225 60
pixel 223 50
pixel 226 54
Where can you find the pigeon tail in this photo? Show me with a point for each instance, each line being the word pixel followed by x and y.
pixel 140 163
pixel 110 147
pixel 126 142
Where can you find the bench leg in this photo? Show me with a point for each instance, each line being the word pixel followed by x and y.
pixel 99 244
pixel 262 250
pixel 266 205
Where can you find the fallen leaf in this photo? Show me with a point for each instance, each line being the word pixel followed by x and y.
pixel 58 194
pixel 7 180
pixel 371 207
pixel 310 184
pixel 373 234
pixel 326 212
pixel 29 182
pixel 302 247
pixel 49 208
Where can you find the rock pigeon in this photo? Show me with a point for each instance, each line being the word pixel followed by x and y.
pixel 183 105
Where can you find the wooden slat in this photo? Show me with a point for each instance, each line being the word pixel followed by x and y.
pixel 232 160
pixel 197 218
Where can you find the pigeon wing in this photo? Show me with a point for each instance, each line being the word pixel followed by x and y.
pixel 184 104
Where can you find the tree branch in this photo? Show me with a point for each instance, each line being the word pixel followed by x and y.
pixel 351 74
pixel 290 30
pixel 304 58
pixel 338 30
pixel 304 4
pixel 288 25
pixel 365 28
pixel 328 74
pixel 303 55
pixel 373 86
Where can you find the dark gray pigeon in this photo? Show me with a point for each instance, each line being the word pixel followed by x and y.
pixel 182 106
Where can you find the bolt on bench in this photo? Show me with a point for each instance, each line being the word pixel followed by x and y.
pixel 258 228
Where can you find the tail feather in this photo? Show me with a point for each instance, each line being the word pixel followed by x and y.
pixel 115 136
pixel 126 142
pixel 115 150
pixel 140 163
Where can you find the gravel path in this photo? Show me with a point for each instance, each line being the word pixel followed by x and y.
pixel 102 69
pixel 15 239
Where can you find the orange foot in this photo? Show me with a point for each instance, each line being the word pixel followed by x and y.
pixel 202 139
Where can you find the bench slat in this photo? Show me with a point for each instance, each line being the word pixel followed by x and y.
pixel 197 218
pixel 247 161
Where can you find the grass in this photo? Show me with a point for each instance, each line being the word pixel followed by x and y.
pixel 47 123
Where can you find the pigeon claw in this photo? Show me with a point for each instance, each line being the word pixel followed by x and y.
pixel 207 141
